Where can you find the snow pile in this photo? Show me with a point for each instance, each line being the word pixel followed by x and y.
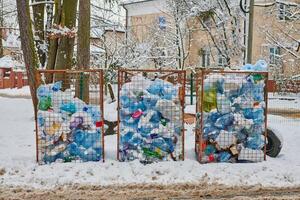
pixel 7 62
pixel 23 92
pixel 17 158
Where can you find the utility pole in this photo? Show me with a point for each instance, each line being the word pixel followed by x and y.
pixel 1 29
pixel 250 32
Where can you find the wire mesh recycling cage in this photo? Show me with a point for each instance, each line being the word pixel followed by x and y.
pixel 150 115
pixel 231 116
pixel 69 124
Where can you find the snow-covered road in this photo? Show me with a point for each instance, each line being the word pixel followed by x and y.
pixel 18 166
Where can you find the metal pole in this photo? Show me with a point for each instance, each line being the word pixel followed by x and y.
pixel 192 88
pixel 250 32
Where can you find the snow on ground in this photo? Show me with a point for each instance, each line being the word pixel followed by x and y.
pixel 17 158
pixel 110 111
pixel 290 101
pixel 15 92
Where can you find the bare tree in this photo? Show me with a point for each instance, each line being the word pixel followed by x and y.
pixel 29 53
pixel 83 47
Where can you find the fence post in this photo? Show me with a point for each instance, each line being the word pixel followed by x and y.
pixel 192 88
pixel 19 80
pixel 2 78
pixel 12 78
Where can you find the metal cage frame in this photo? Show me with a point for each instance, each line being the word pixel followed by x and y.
pixel 50 74
pixel 123 72
pixel 200 74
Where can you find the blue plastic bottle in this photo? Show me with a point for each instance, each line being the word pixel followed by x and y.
pixel 225 121
pixel 224 156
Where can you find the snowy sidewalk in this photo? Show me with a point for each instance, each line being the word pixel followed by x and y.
pixel 17 160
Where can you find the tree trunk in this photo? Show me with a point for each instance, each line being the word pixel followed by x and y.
pixel 28 48
pixel 83 48
pixel 111 92
pixel 53 43
pixel 66 45
pixel 38 19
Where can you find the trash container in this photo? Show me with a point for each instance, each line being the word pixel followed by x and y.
pixel 69 116
pixel 150 115
pixel 231 116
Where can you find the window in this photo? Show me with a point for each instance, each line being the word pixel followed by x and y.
pixel 162 22
pixel 221 60
pixel 274 55
pixel 207 21
pixel 284 12
pixel 205 58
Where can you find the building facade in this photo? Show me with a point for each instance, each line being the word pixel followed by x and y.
pixel 272 19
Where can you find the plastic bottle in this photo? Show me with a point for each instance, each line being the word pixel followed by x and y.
pixel 224 156
pixel 209 159
pixel 258 116
pixel 125 101
pixel 261 65
pixel 150 100
pixel 76 122
pixel 248 67
pixel 210 99
pixel 94 112
pixel 89 154
pixel 255 142
pixel 43 91
pixel 223 104
pixel 45 103
pixel 225 121
pixel 169 91
pixel 57 86
pixel 258 92
pixel 137 106
pixel 68 107
pixel 161 144
pixel 209 149
pixel 126 136
pixel 73 149
pixel 210 132
pixel 91 140
pixel 147 152
pixel 156 87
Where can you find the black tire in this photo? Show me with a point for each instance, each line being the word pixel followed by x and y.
pixel 274 144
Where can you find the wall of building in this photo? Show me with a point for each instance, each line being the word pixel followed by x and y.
pixel 143 16
pixel 264 20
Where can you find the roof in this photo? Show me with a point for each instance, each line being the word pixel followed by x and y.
pixel 127 2
pixel 8 62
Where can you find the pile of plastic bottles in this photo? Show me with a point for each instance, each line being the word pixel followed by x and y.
pixel 150 120
pixel 233 117
pixel 68 128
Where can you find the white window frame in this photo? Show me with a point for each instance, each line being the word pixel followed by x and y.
pixel 222 62
pixel 162 25
pixel 283 12
pixel 274 55
pixel 205 58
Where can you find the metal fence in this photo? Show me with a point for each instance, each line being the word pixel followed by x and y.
pixel 150 115
pixel 231 116
pixel 69 126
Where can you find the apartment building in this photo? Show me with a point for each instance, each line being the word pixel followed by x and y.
pixel 270 16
